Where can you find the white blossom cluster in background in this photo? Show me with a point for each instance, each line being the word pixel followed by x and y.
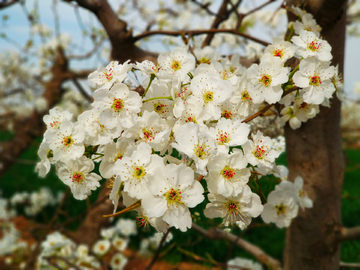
pixel 189 123
pixel 57 248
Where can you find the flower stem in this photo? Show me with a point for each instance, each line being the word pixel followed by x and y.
pixel 155 98
pixel 152 77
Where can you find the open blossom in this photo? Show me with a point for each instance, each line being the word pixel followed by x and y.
pixel 315 79
pixel 232 209
pixel 118 105
pixel 172 192
pixel 136 170
pixel 197 145
pixel 265 79
pixel 280 48
pixel 211 92
pixel 307 23
pixel 259 151
pixel 78 176
pixel 281 208
pixel 66 142
pixel 298 190
pixel 309 45
pixel 228 133
pixel 178 62
pixel 228 173
pixel 55 117
pixel 113 72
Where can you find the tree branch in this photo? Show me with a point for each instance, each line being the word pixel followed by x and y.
pixel 349 233
pixel 82 91
pixel 121 39
pixel 199 32
pixel 260 255
pixel 8 4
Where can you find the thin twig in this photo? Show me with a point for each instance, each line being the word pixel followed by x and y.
pixel 259 254
pixel 90 99
pixel 199 32
pixel 158 249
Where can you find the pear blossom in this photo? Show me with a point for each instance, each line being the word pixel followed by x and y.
pixel 228 133
pixel 259 151
pixel 281 208
pixel 119 105
pixel 280 48
pixel 307 23
pixel 172 192
pixel 210 92
pixel 113 72
pixel 101 247
pixel 118 261
pixel 244 264
pixel 197 145
pixel 265 79
pixel 315 79
pixel 136 170
pixel 66 142
pixel 126 227
pixel 309 45
pixel 55 117
pixel 298 190
pixel 228 173
pixel 178 62
pixel 78 176
pixel 243 207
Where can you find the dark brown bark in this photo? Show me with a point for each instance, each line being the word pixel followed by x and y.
pixel 89 230
pixel 314 152
pixel 121 39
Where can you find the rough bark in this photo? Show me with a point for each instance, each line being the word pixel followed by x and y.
pixel 314 152
pixel 122 41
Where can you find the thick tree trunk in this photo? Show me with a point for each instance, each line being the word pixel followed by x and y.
pixel 314 152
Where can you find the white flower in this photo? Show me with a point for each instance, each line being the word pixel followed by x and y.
pixel 260 151
pixel 55 117
pixel 138 169
pixel 232 209
pixel 298 190
pixel 97 133
pixel 120 243
pixel 126 227
pixel 197 145
pixel 66 142
pixel 173 191
pixel 206 55
pixel 113 152
pixel 46 156
pixel 101 247
pixel 244 264
pixel 266 78
pixel 229 133
pixel 316 80
pixel 118 261
pixel 281 208
pixel 280 48
pixel 113 72
pixel 178 62
pixel 307 23
pixel 308 45
pixel 211 92
pixel 118 105
pixel 228 173
pixel 78 176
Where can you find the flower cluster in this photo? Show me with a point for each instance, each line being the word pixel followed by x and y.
pixel 187 120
